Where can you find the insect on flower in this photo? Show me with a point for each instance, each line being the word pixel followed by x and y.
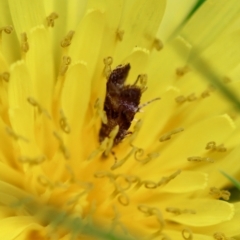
pixel 121 103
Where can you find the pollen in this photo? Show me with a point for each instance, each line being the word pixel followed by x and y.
pixel 217 193
pixel 24 43
pixel 167 136
pixel 120 34
pixel 200 159
pixel 51 19
pixel 67 40
pixel 66 61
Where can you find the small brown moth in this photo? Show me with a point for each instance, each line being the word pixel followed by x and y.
pixel 121 104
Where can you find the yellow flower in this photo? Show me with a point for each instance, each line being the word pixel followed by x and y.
pixel 163 179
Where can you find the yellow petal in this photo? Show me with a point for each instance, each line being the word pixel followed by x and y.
pixel 209 21
pixel 14 226
pixel 207 212
pixel 20 111
pixel 39 61
pixel 186 181
pixel 135 24
pixel 26 14
pixel 88 33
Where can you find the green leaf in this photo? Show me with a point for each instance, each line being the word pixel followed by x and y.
pixel 234 181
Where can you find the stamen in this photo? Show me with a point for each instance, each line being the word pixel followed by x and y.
pixel 32 161
pixel 100 149
pixel 121 162
pixel 44 181
pixel 200 159
pixel 51 18
pixel 63 123
pixel 212 146
pixel 178 211
pixel 166 180
pixel 187 234
pixel 41 110
pixel 7 30
pixel 24 42
pixel 142 79
pixel 167 136
pixel 65 64
pixel 136 130
pixel 180 99
pixel 111 138
pixel 221 236
pixel 151 211
pixel 150 156
pixel 147 103
pixel 205 93
pixel 100 112
pixel 191 97
pixel 62 147
pixel 67 40
pixel 157 43
pixel 182 71
pixel 5 76
pixel 107 66
pixel 122 196
pixel 119 34
pixel 217 193
pixel 15 136
pixel 227 80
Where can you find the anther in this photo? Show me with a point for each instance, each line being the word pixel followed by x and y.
pixel 136 130
pixel 40 110
pixel 212 146
pixel 24 42
pixel 180 99
pixel 221 236
pixel 140 152
pixel 32 161
pixel 217 193
pixel 65 64
pixel 44 181
pixel 191 97
pixel 167 136
pixel 205 93
pixel 119 34
pixel 51 18
pixel 150 211
pixel 226 80
pixel 62 147
pixel 99 111
pixel 178 211
pixel 7 29
pixel 200 159
pixel 158 45
pixel 67 40
pixel 100 149
pixel 63 123
pixel 182 71
pixel 112 136
pixel 142 79
pixel 15 136
pixel 5 76
pixel 122 161
pixel 166 180
pixel 107 66
pixel 187 234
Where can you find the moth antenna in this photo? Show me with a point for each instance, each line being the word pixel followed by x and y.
pixel 147 103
